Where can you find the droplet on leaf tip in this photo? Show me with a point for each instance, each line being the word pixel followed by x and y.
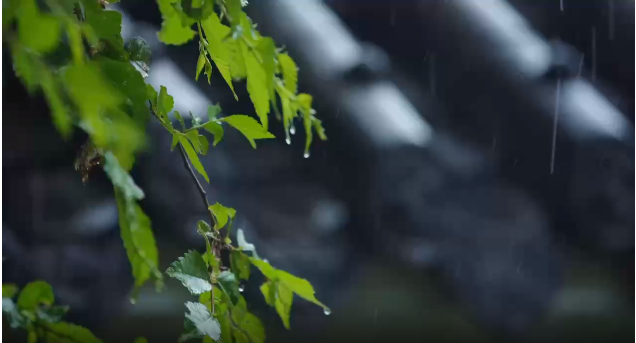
pixel 327 311
pixel 288 140
pixel 292 130
pixel 266 260
pixel 241 288
pixel 133 301
pixel 306 155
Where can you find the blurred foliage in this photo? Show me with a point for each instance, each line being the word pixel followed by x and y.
pixel 73 52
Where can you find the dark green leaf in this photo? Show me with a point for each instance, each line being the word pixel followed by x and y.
pixel 139 50
pixel 9 290
pixel 123 76
pixel 106 25
pixel 216 129
pixel 202 320
pixel 52 314
pixel 215 32
pixel 253 327
pixel 192 271
pixel 230 285
pixel 203 228
pixel 222 214
pixel 257 83
pixel 192 156
pixel 249 127
pixel 141 340
pixel 240 264
pixel 34 294
pixel 69 333
pixel 151 94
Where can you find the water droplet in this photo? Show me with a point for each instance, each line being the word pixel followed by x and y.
pixel 327 311
pixel 288 140
pixel 312 111
pixel 266 260
pixel 292 129
pixel 241 288
pixel 306 155
pixel 133 301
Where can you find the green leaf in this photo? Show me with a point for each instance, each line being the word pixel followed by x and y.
pixel 192 271
pixel 39 32
pixel 278 295
pixel 215 32
pixel 215 129
pixel 204 144
pixel 222 214
pixel 237 64
pixel 202 321
pixel 180 119
pixel 200 64
pixel 69 333
pixel 27 66
pixel 257 84
pixel 192 156
pixel 175 140
pixel 193 136
pixel 290 72
pixel 120 178
pixel 106 26
pixel 52 314
pixel 253 327
pixel 123 76
pixel 203 228
pixel 34 294
pixel 249 127
pixel 319 129
pixel 267 51
pixel 9 290
pixel 229 285
pixel 165 102
pixel 173 31
pixel 243 244
pixel 59 110
pixel 138 49
pixel 151 94
pixel 139 241
pixel 141 340
pixel 240 264
pixel 213 111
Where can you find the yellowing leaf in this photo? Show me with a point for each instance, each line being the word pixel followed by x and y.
pixel 249 127
pixel 215 32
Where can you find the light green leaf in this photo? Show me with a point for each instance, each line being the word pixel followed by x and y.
pixel 191 270
pixel 280 297
pixel 215 32
pixel 240 264
pixel 216 129
pixel 165 102
pixel 200 64
pixel 192 156
pixel 173 32
pixel 265 268
pixel 120 178
pixel 151 94
pixel 175 140
pixel 208 70
pixel 226 326
pixel 267 51
pixel 139 241
pixel 290 72
pixel 123 76
pixel 249 127
pixel 9 290
pixel 205 324
pixel 69 333
pixel 27 66
pixel 257 84
pixel 239 336
pixel 299 286
pixel 308 131
pixel 213 111
pixel 304 101
pixel 34 294
pixel 59 110
pixel 74 33
pixel 237 64
pixel 319 129
pixel 222 214
pixel 180 119
pixel 253 327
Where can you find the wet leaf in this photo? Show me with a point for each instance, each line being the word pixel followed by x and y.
pixel 192 271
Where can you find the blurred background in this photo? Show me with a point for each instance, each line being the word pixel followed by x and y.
pixel 477 184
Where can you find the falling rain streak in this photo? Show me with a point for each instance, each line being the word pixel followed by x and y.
pixel 561 5
pixel 581 65
pixel 593 53
pixel 610 4
pixel 555 124
pixel 431 74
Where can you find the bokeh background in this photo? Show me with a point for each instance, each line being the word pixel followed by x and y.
pixel 477 184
